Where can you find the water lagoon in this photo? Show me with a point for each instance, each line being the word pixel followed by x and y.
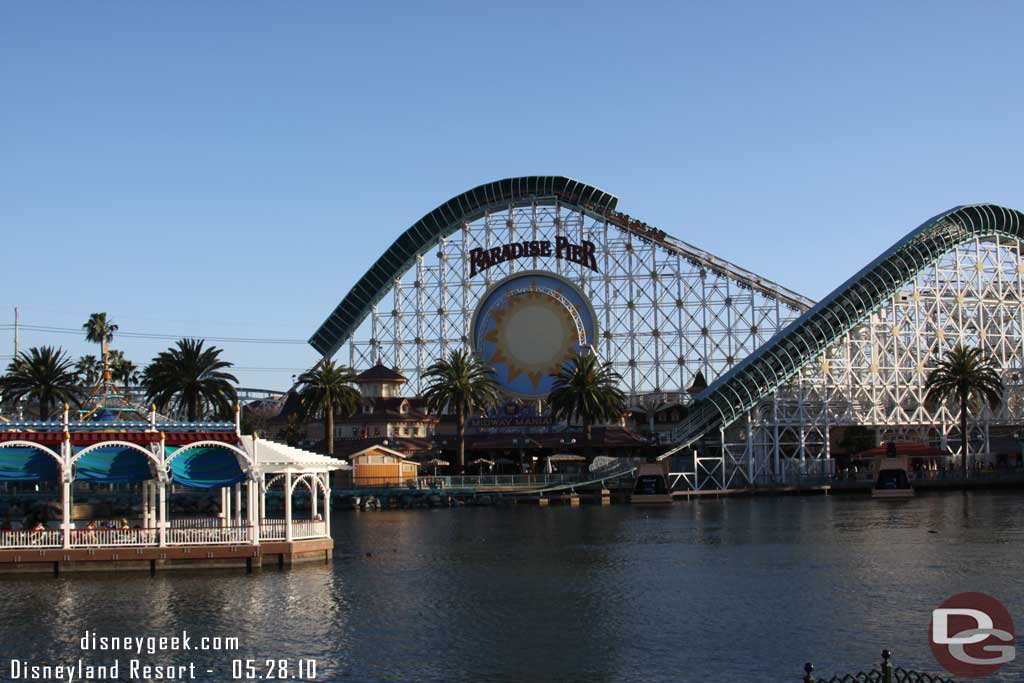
pixel 707 590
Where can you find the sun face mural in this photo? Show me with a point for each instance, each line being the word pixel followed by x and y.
pixel 527 325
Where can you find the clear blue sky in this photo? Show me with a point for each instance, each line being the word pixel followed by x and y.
pixel 230 168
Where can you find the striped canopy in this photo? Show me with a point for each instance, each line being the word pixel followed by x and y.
pixel 24 463
pixel 113 465
pixel 206 467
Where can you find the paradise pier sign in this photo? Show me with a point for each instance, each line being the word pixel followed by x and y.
pixel 582 253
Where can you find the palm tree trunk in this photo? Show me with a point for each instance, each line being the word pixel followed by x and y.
pixel 190 408
pixel 460 437
pixel 44 406
pixel 329 417
pixel 964 440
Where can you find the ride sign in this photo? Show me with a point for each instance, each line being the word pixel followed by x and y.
pixel 582 253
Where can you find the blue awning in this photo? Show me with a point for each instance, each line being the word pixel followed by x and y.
pixel 206 467
pixel 113 465
pixel 24 463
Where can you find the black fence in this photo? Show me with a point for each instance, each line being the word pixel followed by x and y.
pixel 888 673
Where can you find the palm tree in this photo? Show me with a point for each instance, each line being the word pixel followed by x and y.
pixel 100 329
pixel 965 373
pixel 325 391
pixel 123 370
pixel 587 390
pixel 191 377
pixel 43 373
pixel 89 370
pixel 461 383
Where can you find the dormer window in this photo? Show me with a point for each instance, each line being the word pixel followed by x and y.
pixel 404 409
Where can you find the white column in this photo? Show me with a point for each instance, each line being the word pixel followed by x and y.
pixel 225 503
pixel 262 492
pixel 238 505
pixel 66 504
pixel 750 446
pixel 253 488
pixel 65 478
pixel 312 494
pixel 288 506
pixel 327 502
pixel 162 521
pixel 152 504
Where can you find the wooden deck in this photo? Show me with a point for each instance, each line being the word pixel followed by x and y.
pixel 270 554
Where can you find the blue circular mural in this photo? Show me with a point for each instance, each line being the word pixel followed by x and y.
pixel 527 325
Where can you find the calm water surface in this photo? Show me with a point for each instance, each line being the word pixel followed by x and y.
pixel 730 590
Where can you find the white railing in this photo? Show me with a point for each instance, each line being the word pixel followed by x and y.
pixel 86 538
pixel 474 481
pixel 308 529
pixel 203 522
pixel 270 530
pixel 274 529
pixel 31 538
pixel 208 535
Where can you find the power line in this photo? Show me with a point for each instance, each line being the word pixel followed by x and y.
pixel 150 335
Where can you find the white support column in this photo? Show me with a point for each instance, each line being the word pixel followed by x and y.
pixel 327 502
pixel 288 506
pixel 251 490
pixel 66 504
pixel 313 490
pixel 238 505
pixel 696 471
pixel 225 506
pixel 775 436
pixel 145 504
pixel 66 485
pixel 263 498
pixel 160 493
pixel 162 522
pixel 749 451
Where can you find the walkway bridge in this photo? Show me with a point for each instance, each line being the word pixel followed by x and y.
pixel 503 484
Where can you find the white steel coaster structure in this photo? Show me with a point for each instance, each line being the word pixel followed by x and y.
pixel 861 357
pixel 665 309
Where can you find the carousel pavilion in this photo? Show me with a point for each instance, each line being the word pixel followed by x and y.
pixel 112 448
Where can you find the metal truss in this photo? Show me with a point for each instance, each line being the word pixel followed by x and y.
pixel 874 376
pixel 665 310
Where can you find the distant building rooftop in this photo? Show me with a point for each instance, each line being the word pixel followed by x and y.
pixel 380 373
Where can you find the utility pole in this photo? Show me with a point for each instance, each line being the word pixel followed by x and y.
pixel 15 333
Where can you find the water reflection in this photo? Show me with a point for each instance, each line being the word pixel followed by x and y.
pixel 708 590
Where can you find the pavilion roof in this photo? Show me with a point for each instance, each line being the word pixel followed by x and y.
pixel 273 458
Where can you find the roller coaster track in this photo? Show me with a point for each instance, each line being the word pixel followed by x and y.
pixel 426 233
pixel 780 358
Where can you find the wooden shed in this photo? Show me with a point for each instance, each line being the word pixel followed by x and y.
pixel 380 466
